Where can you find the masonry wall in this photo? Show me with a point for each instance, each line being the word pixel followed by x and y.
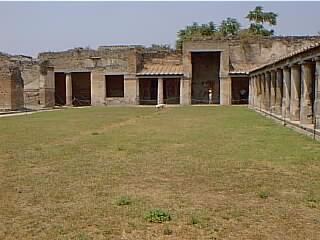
pixel 264 50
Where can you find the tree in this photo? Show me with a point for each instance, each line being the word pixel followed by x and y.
pixel 195 30
pixel 258 18
pixel 230 26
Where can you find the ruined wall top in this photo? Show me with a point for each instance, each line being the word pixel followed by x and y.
pixel 247 53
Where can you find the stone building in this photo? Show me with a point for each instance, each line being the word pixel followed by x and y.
pixel 206 71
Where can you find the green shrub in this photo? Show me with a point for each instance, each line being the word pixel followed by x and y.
pixel 194 220
pixel 124 200
pixel 157 216
pixel 264 194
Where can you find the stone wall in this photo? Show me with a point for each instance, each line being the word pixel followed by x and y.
pixel 111 59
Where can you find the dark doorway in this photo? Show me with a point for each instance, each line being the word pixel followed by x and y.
pixel 81 88
pixel 148 91
pixel 240 90
pixel 205 77
pixel 171 90
pixel 60 88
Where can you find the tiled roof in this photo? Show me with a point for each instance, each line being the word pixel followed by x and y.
pixel 241 68
pixel 301 50
pixel 162 69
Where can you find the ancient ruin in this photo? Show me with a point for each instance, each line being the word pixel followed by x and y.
pixel 275 75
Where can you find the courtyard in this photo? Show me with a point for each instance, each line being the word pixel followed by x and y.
pixel 222 172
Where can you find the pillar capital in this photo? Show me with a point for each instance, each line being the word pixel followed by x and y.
pixel 305 63
pixel 295 65
pixel 285 68
pixel 316 59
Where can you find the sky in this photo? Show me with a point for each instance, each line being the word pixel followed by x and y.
pixel 31 27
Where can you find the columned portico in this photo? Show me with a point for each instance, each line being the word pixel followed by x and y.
pixel 286 92
pixel 291 86
pixel 295 93
pixel 68 89
pixel 160 91
pixel 306 113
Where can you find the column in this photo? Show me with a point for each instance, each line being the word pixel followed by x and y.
pixel 263 91
pixel 286 92
pixel 98 87
pixel 185 91
pixel 47 87
pixel 306 113
pixel 278 91
pixel 250 91
pixel 267 90
pixel 254 91
pixel 317 93
pixel 160 91
pixel 225 90
pixel 259 91
pixel 295 93
pixel 131 89
pixel 68 89
pixel 272 91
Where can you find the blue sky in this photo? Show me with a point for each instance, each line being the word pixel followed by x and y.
pixel 31 27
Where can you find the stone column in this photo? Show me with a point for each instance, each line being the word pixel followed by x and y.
pixel 295 93
pixel 253 90
pixel 306 111
pixel 272 91
pixel 185 91
pixel 317 93
pixel 225 90
pixel 263 91
pixel 278 101
pixel 259 91
pixel 250 91
pixel 286 92
pixel 47 87
pixel 131 89
pixel 98 87
pixel 267 90
pixel 68 89
pixel 160 91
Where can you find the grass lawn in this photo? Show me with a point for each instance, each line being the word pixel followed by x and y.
pixel 95 173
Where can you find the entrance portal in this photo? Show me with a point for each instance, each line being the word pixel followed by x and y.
pixel 205 77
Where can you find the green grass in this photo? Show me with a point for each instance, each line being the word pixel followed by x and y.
pixel 62 173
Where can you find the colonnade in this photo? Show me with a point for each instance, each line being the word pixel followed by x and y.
pixel 290 90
